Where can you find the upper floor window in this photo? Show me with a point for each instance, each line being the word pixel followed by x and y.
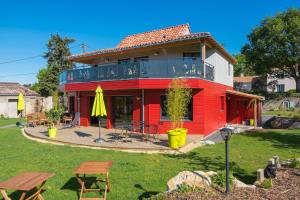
pixel 191 55
pixel 280 75
pixel 280 87
pixel 229 69
pixel 141 58
pixel 163 109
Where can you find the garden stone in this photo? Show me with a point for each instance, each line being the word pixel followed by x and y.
pixel 193 179
pixel 260 175
pixel 295 125
pixel 239 184
pixel 277 162
pixel 206 176
pixel 271 161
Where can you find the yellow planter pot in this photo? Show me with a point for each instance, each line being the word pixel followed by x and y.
pixel 182 136
pixel 52 132
pixel 173 138
pixel 251 122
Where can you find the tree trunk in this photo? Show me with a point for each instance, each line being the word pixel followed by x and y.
pixel 297 84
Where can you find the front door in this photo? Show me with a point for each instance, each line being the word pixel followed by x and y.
pixel 122 110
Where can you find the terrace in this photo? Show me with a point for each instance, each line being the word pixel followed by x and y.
pixel 113 139
pixel 141 69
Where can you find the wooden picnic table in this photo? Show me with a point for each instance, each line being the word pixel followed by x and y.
pixel 93 168
pixel 26 182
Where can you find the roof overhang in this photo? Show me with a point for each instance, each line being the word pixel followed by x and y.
pixel 246 95
pixel 88 57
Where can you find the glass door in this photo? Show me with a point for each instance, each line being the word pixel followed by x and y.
pixel 122 110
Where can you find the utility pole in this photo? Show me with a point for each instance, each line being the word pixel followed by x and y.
pixel 84 46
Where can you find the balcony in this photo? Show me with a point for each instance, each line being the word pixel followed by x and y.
pixel 159 68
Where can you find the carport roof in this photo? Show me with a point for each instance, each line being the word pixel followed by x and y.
pixel 243 94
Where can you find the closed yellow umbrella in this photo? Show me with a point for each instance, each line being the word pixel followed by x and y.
pixel 21 103
pixel 99 109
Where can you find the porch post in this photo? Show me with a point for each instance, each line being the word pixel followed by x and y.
pixel 203 56
pixel 78 105
pixel 143 111
pixel 255 113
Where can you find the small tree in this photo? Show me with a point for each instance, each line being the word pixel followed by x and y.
pixel 178 98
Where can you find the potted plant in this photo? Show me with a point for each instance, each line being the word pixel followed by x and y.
pixel 178 98
pixel 54 117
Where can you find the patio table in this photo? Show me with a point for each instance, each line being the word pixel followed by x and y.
pixel 26 182
pixel 93 168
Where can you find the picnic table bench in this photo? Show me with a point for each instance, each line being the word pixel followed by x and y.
pixel 26 182
pixel 93 168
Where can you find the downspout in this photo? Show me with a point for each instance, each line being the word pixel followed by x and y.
pixel 143 110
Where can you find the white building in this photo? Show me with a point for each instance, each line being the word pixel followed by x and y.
pixel 9 99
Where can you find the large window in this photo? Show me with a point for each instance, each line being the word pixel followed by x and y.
pixel 163 109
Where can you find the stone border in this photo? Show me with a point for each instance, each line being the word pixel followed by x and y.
pixel 184 149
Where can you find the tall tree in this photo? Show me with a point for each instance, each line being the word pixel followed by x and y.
pixel 241 67
pixel 48 77
pixel 274 46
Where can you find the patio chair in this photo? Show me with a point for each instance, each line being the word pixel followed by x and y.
pixel 42 118
pixel 32 120
pixel 67 118
pixel 75 121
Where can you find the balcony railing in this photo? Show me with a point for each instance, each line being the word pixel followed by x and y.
pixel 159 68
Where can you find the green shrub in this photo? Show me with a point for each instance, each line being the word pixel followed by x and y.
pixel 295 164
pixel 267 183
pixel 54 115
pixel 220 179
pixel 184 188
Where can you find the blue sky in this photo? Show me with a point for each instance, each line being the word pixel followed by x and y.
pixel 25 26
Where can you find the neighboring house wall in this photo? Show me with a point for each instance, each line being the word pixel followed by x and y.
pixel 223 68
pixel 8 105
pixel 289 84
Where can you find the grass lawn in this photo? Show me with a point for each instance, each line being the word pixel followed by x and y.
pixel 283 113
pixel 134 176
pixel 7 121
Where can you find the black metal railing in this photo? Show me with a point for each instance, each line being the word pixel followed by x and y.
pixel 154 68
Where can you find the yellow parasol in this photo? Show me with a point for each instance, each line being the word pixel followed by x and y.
pixel 21 103
pixel 99 109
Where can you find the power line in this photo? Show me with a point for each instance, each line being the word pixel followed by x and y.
pixel 31 57
pixel 10 75
pixel 17 60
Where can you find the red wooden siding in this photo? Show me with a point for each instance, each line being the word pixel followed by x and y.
pixel 208 114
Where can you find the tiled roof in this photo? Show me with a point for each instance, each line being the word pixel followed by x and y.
pixel 14 89
pixel 159 35
pixel 119 49
pixel 244 79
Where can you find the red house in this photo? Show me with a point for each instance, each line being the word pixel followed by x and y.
pixel 136 73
